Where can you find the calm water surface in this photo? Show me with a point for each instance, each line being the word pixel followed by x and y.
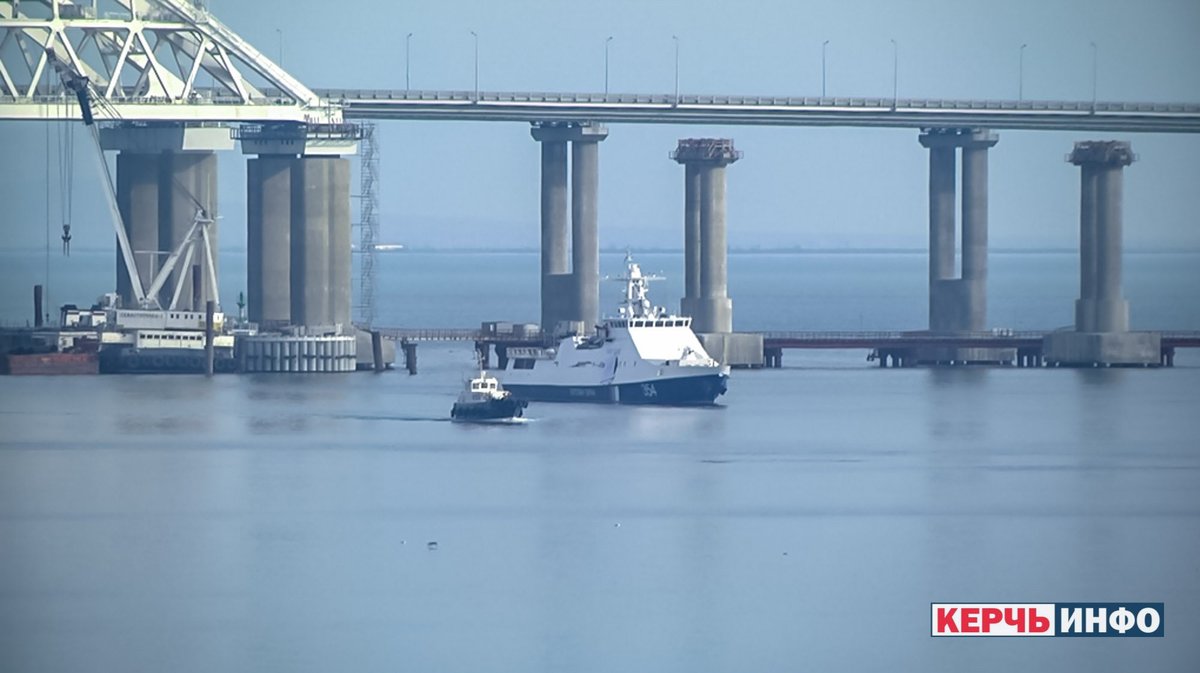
pixel 281 523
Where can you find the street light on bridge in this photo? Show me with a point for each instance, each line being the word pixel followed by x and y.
pixel 407 51
pixel 895 72
pixel 676 38
pixel 1095 70
pixel 1021 75
pixel 607 40
pixel 823 45
pixel 475 37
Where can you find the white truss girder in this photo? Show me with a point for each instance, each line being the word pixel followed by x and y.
pixel 151 60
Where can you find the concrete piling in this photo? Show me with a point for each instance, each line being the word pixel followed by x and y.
pixel 377 351
pixel 37 306
pixel 210 308
pixel 410 356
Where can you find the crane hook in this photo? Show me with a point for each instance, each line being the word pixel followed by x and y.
pixel 66 240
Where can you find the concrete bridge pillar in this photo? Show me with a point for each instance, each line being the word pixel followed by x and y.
pixel 958 302
pixel 1100 307
pixel 555 264
pixel 570 296
pixel 691 238
pixel 585 234
pixel 320 241
pixel 706 297
pixel 165 172
pixel 137 199
pixel 187 183
pixel 269 240
pixel 1101 335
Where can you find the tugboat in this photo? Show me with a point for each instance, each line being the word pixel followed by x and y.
pixel 644 355
pixel 484 400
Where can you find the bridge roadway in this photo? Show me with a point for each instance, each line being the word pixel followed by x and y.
pixel 381 104
pixel 813 340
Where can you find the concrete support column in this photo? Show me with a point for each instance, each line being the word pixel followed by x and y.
pixel 570 295
pixel 1100 307
pixel 975 232
pixel 1085 306
pixel 554 207
pixel 1112 311
pixel 705 246
pixel 320 259
pixel 555 265
pixel 691 238
pixel 137 199
pixel 585 238
pixel 715 307
pixel 958 302
pixel 187 183
pixel 942 238
pixel 268 239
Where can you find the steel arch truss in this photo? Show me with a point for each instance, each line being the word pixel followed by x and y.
pixel 148 59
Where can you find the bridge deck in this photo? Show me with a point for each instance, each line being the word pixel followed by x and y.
pixel 766 110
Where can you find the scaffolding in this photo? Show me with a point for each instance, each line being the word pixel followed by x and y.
pixel 368 223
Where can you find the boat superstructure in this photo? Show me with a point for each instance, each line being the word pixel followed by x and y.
pixel 643 355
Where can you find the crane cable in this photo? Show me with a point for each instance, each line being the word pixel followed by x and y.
pixel 66 180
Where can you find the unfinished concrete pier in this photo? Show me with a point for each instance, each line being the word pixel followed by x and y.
pixel 706 270
pixel 1101 336
pixel 570 296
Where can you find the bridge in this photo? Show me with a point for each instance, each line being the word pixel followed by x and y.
pixel 170 80
pixel 533 107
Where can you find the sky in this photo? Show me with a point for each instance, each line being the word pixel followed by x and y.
pixel 475 184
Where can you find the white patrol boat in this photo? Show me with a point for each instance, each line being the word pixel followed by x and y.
pixel 644 355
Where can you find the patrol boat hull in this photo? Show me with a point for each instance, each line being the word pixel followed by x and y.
pixel 680 391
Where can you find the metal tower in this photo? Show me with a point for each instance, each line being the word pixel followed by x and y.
pixel 368 223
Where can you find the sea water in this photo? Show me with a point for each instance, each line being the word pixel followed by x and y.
pixel 152 523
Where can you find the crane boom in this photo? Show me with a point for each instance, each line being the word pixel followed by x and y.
pixel 78 84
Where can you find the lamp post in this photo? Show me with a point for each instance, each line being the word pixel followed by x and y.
pixel 475 37
pixel 407 52
pixel 676 38
pixel 607 41
pixel 823 45
pixel 1021 75
pixel 895 73
pixel 279 33
pixel 1095 70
